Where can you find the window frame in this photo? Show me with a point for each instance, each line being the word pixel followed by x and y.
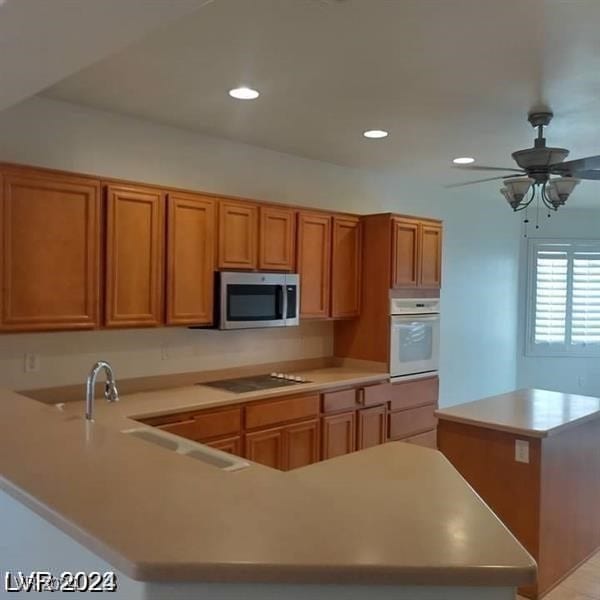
pixel 565 349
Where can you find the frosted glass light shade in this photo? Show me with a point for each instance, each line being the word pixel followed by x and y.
pixel 518 186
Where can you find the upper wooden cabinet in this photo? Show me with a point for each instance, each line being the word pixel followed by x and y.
pixel 405 253
pixel 50 251
pixel 277 239
pixel 346 267
pixel 238 235
pixel 191 229
pixel 314 264
pixel 134 256
pixel 416 253
pixel 431 255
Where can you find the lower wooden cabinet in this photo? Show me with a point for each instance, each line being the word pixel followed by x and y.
pixel 407 423
pixel 266 447
pixel 233 445
pixel 339 434
pixel 286 447
pixel 302 444
pixel 371 427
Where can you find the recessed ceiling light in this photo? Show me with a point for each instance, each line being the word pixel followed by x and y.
pixel 375 134
pixel 244 93
pixel 463 160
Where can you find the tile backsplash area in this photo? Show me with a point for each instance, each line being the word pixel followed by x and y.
pixel 30 361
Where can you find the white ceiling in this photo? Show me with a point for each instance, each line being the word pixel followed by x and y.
pixel 445 77
pixel 43 41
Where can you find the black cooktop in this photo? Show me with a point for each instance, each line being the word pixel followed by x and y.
pixel 255 383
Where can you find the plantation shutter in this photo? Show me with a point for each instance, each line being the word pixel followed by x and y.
pixel 585 311
pixel 551 282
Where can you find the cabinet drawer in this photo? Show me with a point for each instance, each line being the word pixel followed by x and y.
pixel 281 411
pixel 213 424
pixel 208 425
pixel 185 429
pixel 427 439
pixel 406 423
pixel 340 400
pixel 417 392
pixel 374 394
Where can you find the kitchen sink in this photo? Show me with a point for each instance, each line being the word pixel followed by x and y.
pixel 210 456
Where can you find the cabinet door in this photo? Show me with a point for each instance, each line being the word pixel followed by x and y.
pixel 190 259
pixel 238 235
pixel 277 239
pixel 346 267
pixel 134 256
pixel 50 262
pixel 371 427
pixel 405 253
pixel 302 444
pixel 233 445
pixel 339 434
pixel 267 447
pixel 431 256
pixel 314 264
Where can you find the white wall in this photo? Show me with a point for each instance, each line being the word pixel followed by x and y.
pixel 564 374
pixel 479 321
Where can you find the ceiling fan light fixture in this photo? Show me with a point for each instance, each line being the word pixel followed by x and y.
pixel 463 160
pixel 564 185
pixel 518 186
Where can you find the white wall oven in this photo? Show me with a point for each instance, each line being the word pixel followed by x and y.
pixel 414 337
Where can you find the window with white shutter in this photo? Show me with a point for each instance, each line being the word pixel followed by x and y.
pixel 564 298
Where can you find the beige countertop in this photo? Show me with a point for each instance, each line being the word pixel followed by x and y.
pixel 534 413
pixel 393 514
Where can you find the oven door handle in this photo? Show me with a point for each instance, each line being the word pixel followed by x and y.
pixel 413 318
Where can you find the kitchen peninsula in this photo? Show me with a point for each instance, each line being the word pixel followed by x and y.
pixel 534 457
pixel 405 524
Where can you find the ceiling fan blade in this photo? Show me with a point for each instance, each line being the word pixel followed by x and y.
pixel 579 164
pixel 589 174
pixel 483 168
pixel 453 185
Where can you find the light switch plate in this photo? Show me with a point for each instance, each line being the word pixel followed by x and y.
pixel 522 451
pixel 31 363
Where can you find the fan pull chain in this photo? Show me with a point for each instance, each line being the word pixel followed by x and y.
pixel 525 223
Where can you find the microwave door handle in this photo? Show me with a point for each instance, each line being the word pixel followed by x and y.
pixel 285 302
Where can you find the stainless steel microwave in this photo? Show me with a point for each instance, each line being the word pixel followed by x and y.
pixel 250 300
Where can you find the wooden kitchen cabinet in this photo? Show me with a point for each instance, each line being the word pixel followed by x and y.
pixel 191 236
pixel 371 427
pixel 346 267
pixel 302 444
pixel 134 256
pixel 414 392
pixel 50 251
pixel 431 256
pixel 416 253
pixel 339 434
pixel 232 445
pixel 405 252
pixel 266 447
pixel 277 247
pixel 238 235
pixel 314 264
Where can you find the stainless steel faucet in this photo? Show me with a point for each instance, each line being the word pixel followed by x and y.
pixel 110 389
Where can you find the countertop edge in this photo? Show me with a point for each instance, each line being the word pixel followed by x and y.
pixel 532 433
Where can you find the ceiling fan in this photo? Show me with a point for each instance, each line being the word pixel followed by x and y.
pixel 542 172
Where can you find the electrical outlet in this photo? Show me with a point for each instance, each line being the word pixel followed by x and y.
pixel 31 363
pixel 522 451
